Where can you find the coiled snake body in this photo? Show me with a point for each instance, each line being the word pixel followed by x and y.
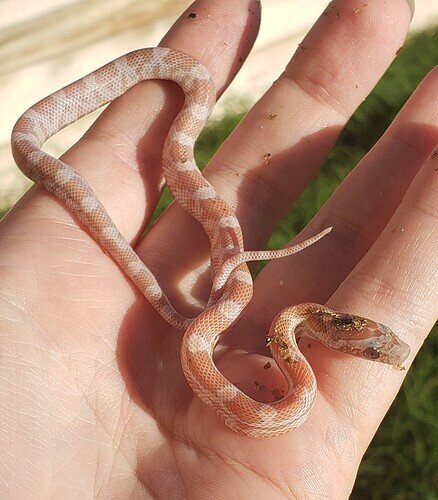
pixel 232 283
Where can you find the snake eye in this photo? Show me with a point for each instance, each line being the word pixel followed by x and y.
pixel 371 353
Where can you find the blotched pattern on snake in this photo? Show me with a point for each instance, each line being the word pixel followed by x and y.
pixel 232 282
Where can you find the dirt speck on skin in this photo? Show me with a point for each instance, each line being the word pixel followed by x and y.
pixel 192 15
pixel 277 393
pixel 357 11
pixel 332 10
pixel 271 116
pixel 253 11
pixel 267 157
pixel 267 365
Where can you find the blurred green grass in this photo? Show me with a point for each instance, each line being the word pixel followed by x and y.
pixel 402 461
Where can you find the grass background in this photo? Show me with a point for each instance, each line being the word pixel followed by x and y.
pixel 402 461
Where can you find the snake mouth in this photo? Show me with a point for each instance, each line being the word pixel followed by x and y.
pixel 390 350
pixel 396 352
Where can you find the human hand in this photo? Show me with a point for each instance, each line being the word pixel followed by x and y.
pixel 92 386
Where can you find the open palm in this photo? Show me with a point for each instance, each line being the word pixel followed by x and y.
pixel 93 400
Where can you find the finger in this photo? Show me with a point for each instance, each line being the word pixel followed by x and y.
pixel 358 211
pixel 121 153
pixel 395 282
pixel 295 124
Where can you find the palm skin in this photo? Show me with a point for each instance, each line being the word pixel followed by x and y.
pixel 93 398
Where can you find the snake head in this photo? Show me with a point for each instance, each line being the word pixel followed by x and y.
pixel 368 339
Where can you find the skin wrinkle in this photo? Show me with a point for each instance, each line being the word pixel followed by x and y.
pixel 139 480
pixel 105 482
pixel 348 235
pixel 242 461
pixel 65 365
pixel 255 189
pixel 178 470
pixel 117 444
pixel 316 93
pixel 278 485
pixel 315 478
pixel 427 211
pixel 379 288
pixel 335 461
pixel 376 288
pixel 238 467
pixel 121 152
pixel 124 176
pixel 114 134
pixel 181 463
pixel 162 95
pixel 341 442
pixel 308 484
pixel 317 88
pixel 407 140
pixel 382 32
pixel 349 410
pixel 32 440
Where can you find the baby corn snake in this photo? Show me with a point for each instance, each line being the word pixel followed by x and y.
pixel 232 282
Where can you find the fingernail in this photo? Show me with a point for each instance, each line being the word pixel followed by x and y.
pixel 411 4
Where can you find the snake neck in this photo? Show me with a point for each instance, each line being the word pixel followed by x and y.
pixel 284 349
